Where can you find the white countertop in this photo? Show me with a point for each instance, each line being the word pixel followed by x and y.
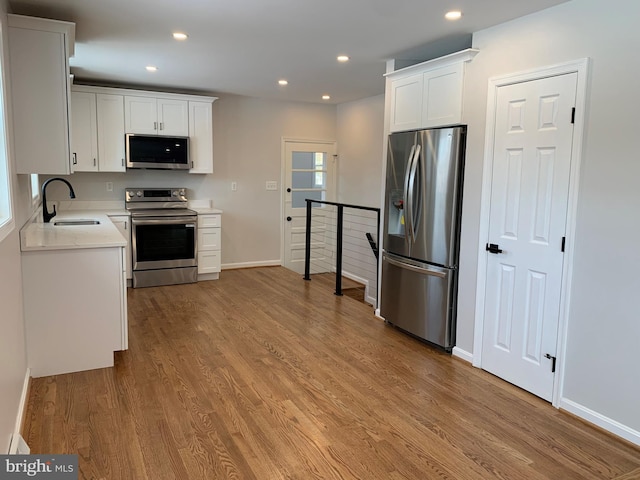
pixel 37 235
pixel 205 210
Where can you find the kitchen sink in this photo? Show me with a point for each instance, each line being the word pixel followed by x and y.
pixel 75 221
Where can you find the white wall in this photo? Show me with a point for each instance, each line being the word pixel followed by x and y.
pixel 247 150
pixel 360 171
pixel 13 364
pixel 604 321
pixel 360 143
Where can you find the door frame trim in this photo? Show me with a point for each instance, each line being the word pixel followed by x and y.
pixel 283 171
pixel 581 67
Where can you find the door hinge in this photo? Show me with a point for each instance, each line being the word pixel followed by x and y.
pixel 564 239
pixel 553 362
pixel 573 115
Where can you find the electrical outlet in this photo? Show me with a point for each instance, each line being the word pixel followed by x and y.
pixel 234 186
pixel 271 185
pixel 109 186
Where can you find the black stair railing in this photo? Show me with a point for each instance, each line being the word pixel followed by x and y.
pixel 339 234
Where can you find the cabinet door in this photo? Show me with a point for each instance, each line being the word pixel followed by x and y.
pixel 201 137
pixel 140 115
pixel 209 262
pixel 39 72
pixel 442 93
pixel 173 117
pixel 406 103
pixel 110 114
pixel 208 239
pixel 84 137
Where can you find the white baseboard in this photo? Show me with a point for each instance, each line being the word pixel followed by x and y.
pixel 262 263
pixel 600 420
pixel 22 407
pixel 377 314
pixel 462 354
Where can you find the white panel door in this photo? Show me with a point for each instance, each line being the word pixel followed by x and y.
pixel 309 173
pixel 111 132
pixel 527 221
pixel 406 103
pixel 84 138
pixel 140 115
pixel 173 117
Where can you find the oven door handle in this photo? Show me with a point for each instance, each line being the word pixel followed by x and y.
pixel 186 221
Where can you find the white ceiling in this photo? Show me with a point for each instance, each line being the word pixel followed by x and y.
pixel 244 46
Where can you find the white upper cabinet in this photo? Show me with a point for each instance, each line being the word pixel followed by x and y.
pixel 110 111
pixel 97 132
pixel 428 94
pixel 406 103
pixel 103 115
pixel 201 137
pixel 84 132
pixel 156 116
pixel 173 117
pixel 39 51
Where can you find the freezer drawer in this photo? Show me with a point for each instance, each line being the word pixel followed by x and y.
pixel 419 298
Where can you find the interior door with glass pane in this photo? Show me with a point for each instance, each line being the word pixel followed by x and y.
pixel 309 174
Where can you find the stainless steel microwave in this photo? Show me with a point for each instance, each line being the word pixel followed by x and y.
pixel 157 152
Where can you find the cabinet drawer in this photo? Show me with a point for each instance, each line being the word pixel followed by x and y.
pixel 208 239
pixel 209 221
pixel 208 262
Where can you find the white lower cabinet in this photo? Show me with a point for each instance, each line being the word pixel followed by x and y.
pixel 75 307
pixel 209 245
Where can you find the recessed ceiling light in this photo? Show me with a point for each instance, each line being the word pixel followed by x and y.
pixel 343 58
pixel 453 15
pixel 283 82
pixel 180 36
pixel 326 97
pixel 151 68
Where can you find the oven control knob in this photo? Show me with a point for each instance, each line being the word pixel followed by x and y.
pixel 174 193
pixel 139 193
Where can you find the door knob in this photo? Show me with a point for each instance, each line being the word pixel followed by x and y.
pixel 288 190
pixel 493 248
pixel 288 219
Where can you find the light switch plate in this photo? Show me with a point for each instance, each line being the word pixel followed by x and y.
pixel 234 186
pixel 272 185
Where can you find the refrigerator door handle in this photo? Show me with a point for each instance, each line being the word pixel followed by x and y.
pixel 413 268
pixel 411 188
pixel 407 217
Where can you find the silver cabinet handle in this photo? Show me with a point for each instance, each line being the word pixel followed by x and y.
pixel 161 126
pixel 75 158
pixel 123 162
pixel 155 125
pixel 94 162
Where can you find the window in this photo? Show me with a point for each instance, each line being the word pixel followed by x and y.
pixel 35 188
pixel 6 215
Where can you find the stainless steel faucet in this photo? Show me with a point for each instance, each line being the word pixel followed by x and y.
pixel 46 216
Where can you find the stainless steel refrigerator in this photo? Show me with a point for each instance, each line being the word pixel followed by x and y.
pixel 423 203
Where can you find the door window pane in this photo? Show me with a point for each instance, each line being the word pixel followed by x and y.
pixel 298 198
pixel 302 161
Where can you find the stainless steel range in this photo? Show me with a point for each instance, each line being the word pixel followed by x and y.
pixel 163 237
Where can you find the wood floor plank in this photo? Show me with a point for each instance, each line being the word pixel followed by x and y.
pixel 262 375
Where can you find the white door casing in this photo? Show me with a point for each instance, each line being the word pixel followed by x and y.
pixel 534 340
pixel 308 172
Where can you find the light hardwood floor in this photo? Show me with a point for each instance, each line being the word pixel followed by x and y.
pixel 261 375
